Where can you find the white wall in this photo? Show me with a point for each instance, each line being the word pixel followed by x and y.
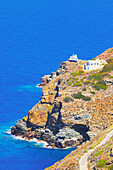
pixel 92 65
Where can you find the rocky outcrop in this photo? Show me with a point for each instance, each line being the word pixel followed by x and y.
pixel 74 107
pixel 64 68
pixel 44 80
pixel 20 128
pixel 67 137
pixel 47 78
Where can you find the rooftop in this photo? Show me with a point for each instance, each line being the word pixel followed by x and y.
pixel 73 58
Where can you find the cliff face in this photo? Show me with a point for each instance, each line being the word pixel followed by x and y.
pixel 74 107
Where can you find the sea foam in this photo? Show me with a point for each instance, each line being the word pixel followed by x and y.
pixel 36 142
pixel 8 132
pixel 38 86
pixel 39 143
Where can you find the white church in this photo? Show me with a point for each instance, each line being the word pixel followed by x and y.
pixel 73 58
pixel 92 65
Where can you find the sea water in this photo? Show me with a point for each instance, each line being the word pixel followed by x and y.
pixel 35 37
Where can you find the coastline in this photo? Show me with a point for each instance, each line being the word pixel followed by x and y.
pixel 70 112
pixel 39 143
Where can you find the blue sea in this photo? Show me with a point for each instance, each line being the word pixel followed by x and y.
pixel 35 37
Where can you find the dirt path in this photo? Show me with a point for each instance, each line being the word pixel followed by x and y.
pixel 83 160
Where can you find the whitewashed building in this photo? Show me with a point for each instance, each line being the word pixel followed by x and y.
pixel 73 58
pixel 92 65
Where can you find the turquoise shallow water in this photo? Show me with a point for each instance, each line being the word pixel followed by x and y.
pixel 35 37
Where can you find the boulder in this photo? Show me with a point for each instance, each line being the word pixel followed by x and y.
pixel 20 128
pixel 21 125
pixel 68 138
pixel 46 135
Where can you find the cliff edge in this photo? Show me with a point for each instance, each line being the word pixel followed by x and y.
pixel 75 106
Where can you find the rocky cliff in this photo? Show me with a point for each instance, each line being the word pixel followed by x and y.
pixel 75 105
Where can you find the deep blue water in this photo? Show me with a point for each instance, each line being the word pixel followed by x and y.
pixel 35 37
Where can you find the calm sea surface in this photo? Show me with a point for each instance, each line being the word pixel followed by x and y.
pixel 35 37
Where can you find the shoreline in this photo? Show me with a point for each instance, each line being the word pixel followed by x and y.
pixel 39 142
pixel 66 115
pixel 45 144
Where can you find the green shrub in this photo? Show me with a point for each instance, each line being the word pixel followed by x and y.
pixel 90 77
pixel 82 80
pixel 100 85
pixel 77 95
pixel 111 77
pixel 70 83
pixel 110 144
pixel 85 151
pixel 101 74
pixel 97 76
pixel 76 79
pixel 110 167
pixel 73 74
pixel 87 82
pixel 77 73
pixel 101 163
pixel 98 153
pixel 84 77
pixel 96 87
pixel 92 92
pixel 80 72
pixel 69 79
pixel 80 96
pixel 68 99
pixel 77 84
pixel 84 89
pixel 110 60
pixel 86 98
pixel 108 67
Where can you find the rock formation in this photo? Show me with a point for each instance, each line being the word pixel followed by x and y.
pixel 74 107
